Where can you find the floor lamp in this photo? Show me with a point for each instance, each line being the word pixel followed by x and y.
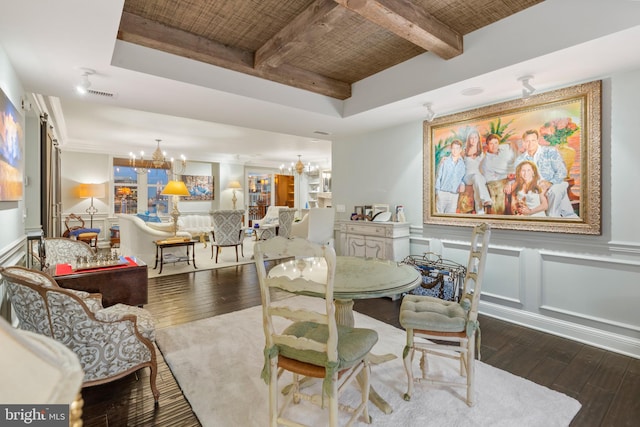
pixel 89 191
pixel 175 189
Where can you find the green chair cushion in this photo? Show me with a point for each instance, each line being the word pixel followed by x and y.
pixel 432 314
pixel 353 343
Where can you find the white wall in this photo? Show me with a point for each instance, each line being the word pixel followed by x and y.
pixel 95 168
pixel 582 287
pixel 11 213
pixel 12 237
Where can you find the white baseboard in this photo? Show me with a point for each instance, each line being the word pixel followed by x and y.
pixel 584 334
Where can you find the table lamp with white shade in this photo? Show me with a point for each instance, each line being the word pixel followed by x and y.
pixel 234 185
pixel 175 189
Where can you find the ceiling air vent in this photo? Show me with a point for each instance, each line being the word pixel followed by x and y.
pixel 101 93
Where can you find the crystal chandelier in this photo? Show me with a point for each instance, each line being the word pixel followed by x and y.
pixel 158 161
pixel 298 167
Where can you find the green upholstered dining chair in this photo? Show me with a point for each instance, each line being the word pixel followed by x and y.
pixel 453 325
pixel 307 341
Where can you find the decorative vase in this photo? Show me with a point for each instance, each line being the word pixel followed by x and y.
pixel 568 155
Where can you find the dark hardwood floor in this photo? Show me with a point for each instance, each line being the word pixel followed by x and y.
pixel 606 384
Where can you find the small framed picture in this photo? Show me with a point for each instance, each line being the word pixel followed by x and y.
pixel 377 208
pixel 358 213
pixel 368 212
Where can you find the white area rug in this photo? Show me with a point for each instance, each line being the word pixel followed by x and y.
pixel 226 258
pixel 217 362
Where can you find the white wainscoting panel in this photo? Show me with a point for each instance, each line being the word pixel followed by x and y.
pixel 595 289
pixel 584 297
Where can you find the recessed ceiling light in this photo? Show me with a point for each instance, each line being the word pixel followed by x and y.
pixel 472 91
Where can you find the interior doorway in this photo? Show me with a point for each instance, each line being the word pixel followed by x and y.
pixel 285 190
pixel 259 192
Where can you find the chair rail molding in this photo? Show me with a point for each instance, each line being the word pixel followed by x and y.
pixel 569 292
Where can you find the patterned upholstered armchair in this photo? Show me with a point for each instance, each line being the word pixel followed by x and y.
pixel 60 250
pixel 110 342
pixel 227 231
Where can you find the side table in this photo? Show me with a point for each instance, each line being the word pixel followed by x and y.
pixel 34 237
pixel 161 245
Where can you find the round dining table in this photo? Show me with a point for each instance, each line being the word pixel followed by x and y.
pixel 356 278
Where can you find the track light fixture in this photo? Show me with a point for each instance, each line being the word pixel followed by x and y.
pixel 527 89
pixel 430 113
pixel 85 83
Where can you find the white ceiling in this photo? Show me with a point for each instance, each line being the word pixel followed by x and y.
pixel 214 114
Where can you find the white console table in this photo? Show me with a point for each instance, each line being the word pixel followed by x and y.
pixel 383 240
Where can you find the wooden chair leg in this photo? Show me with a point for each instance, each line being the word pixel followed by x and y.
pixel 408 364
pixel 237 253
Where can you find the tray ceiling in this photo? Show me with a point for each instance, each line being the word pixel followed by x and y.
pixel 323 46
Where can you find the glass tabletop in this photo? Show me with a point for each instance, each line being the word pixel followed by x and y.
pixel 356 277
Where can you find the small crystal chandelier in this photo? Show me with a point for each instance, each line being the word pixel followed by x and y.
pixel 158 161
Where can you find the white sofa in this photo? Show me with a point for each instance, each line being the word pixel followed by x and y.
pixel 137 237
pixel 196 225
pixel 271 217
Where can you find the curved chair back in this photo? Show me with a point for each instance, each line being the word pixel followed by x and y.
pixel 227 227
pixel 321 222
pixel 48 372
pixel 60 250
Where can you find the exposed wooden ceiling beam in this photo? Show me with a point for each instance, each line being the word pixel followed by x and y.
pixel 136 29
pixel 313 23
pixel 410 22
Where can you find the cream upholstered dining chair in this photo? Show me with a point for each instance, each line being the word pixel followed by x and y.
pixel 321 224
pixel 60 250
pixel 305 341
pixel 47 372
pixel 109 342
pixel 453 324
pixel 227 231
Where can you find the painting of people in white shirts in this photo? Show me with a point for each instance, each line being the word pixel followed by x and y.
pixel 473 156
pixel 528 197
pixel 449 179
pixel 553 172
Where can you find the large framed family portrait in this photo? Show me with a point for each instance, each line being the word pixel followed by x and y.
pixel 528 164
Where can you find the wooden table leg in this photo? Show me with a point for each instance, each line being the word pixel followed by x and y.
pixel 157 251
pixel 193 254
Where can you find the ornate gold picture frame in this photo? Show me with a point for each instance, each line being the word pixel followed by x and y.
pixel 527 164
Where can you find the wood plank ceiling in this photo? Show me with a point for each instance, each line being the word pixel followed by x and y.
pixel 322 46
